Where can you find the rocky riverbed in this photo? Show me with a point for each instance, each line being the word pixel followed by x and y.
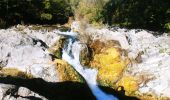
pixel 133 61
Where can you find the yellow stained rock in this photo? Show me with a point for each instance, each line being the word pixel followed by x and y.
pixel 113 52
pixel 110 66
pixel 129 83
pixel 14 73
pixel 110 73
pixel 110 56
pixel 67 72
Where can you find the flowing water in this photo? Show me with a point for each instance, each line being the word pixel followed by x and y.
pixel 71 54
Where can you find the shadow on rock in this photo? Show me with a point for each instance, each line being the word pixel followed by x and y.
pixel 119 94
pixel 61 90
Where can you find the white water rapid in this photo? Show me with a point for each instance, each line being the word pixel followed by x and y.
pixel 71 53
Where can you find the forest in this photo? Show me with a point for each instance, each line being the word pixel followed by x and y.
pixel 152 15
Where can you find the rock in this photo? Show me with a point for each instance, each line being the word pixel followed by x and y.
pixel 110 66
pixel 86 55
pixel 129 84
pixel 102 34
pixel 3 90
pixel 95 47
pixel 23 53
pixel 135 62
pixel 14 73
pixel 56 49
pixel 67 72
pixel 149 57
pixel 24 92
pixel 154 66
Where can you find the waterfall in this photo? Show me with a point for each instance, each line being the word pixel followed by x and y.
pixel 71 53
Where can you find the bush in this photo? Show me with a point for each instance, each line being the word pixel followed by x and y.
pixel 88 10
pixel 46 16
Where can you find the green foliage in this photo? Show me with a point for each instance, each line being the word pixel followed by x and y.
pixel 46 16
pixel 167 26
pixel 46 4
pixel 89 10
pixel 58 53
pixel 33 12
pixel 147 14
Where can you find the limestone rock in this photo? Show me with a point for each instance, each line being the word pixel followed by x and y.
pixel 23 53
pixel 148 55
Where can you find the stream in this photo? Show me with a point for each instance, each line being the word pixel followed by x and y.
pixel 71 54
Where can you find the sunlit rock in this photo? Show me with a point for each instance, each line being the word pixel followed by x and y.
pixel 108 75
pixel 14 73
pixel 110 56
pixel 102 34
pixel 107 59
pixel 149 56
pixel 134 60
pixel 24 54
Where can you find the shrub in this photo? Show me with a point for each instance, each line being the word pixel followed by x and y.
pixel 88 10
pixel 46 16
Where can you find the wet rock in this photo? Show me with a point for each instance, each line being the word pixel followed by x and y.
pixel 67 72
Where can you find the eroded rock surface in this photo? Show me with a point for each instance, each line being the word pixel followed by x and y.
pixel 25 50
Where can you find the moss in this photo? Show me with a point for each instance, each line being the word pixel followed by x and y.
pixel 58 53
pixel 14 73
pixel 67 72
